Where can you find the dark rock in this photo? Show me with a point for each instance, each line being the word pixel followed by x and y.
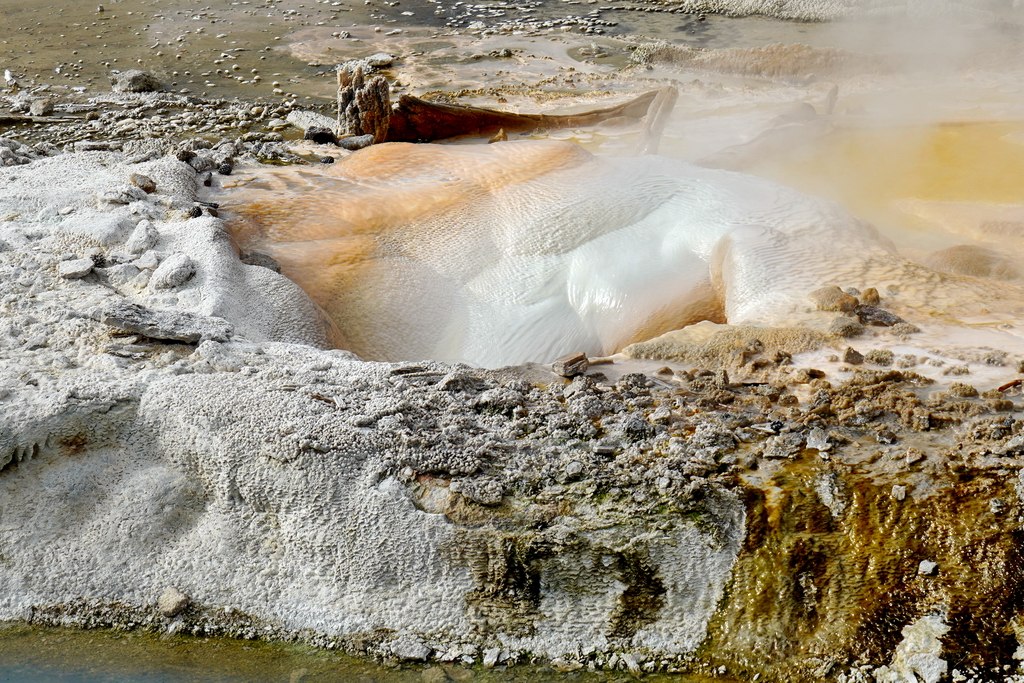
pixel 257 258
pixel 637 429
pixel 355 142
pixel 853 356
pixel 164 325
pixel 225 169
pixel 320 135
pixel 195 212
pixel 571 365
pixel 185 155
pixel 207 179
pixel 873 315
pixel 326 160
pixel 135 80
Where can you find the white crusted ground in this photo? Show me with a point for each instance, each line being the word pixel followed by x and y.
pixel 282 487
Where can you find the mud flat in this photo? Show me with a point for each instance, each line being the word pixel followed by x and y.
pixel 182 453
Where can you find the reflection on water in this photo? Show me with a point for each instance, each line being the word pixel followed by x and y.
pixel 38 655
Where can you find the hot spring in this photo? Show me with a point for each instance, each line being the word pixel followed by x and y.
pixel 845 162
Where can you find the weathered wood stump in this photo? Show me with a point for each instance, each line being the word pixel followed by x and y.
pixel 364 105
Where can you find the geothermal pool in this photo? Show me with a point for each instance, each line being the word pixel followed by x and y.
pixel 931 159
pixel 294 492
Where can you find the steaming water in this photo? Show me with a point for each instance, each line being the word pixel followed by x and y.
pixel 931 157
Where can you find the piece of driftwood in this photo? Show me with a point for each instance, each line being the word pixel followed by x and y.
pixel 364 108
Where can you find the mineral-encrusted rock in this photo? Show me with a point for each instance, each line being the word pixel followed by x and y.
pixel 380 60
pixel 175 271
pixel 75 269
pixel 166 325
pixel 310 119
pixel 833 299
pixel 144 237
pixel 409 648
pixel 172 602
pixel 135 80
pixel 571 365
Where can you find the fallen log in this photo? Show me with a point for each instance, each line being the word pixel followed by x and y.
pixel 417 120
pixel 365 108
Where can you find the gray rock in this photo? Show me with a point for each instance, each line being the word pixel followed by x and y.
pixel 135 80
pixel 409 648
pixel 173 272
pixel 818 440
pixel 354 142
pixel 166 325
pixel 310 119
pixel 491 657
pixel 76 269
pixel 844 326
pixel 172 602
pixel 147 261
pixel 41 107
pixel 121 274
pixel 202 163
pixel 927 568
pixel 143 238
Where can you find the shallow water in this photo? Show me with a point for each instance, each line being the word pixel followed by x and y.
pixel 41 655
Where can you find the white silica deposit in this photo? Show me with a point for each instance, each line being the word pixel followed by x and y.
pixel 191 436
